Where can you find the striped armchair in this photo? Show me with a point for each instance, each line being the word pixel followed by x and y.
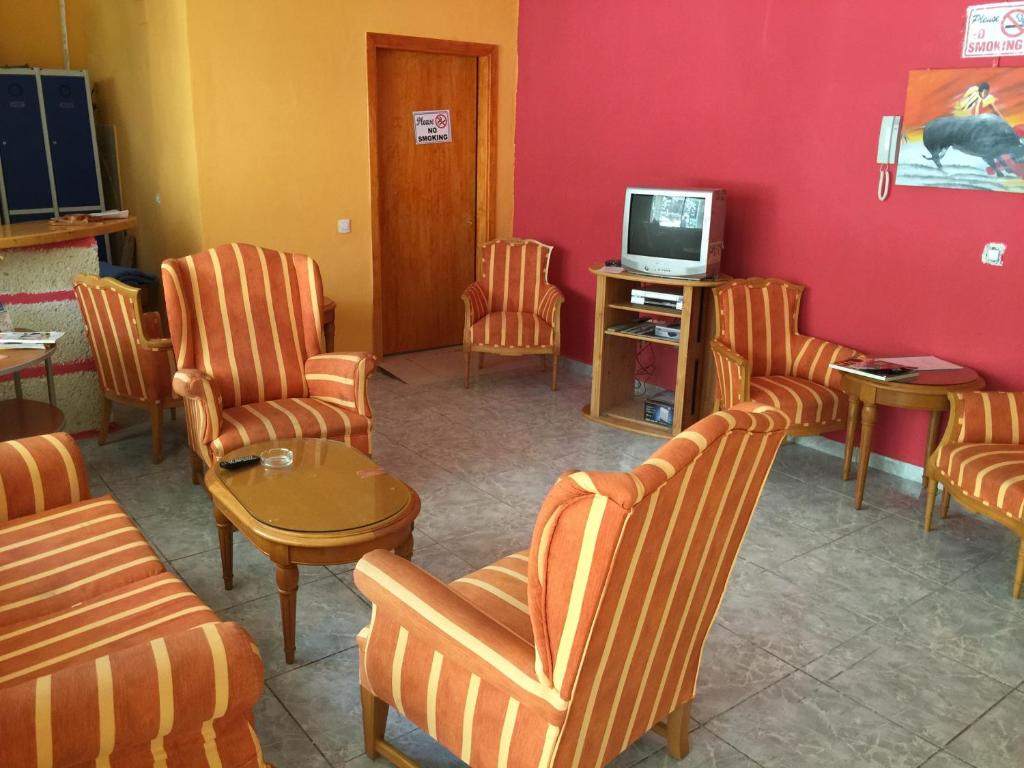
pixel 105 658
pixel 134 362
pixel 247 328
pixel 512 309
pixel 980 462
pixel 565 654
pixel 760 355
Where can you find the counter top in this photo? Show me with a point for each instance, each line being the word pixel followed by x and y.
pixel 29 233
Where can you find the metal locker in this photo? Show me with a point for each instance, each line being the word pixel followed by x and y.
pixel 26 190
pixel 68 113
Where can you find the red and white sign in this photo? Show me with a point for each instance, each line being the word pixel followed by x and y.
pixel 994 29
pixel 432 126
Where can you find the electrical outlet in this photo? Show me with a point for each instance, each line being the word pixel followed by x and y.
pixel 344 226
pixel 992 254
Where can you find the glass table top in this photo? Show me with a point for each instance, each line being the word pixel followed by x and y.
pixel 329 487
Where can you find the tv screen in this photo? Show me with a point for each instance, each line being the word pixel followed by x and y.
pixel 665 226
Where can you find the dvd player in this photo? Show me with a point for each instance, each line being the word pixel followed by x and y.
pixel 655 299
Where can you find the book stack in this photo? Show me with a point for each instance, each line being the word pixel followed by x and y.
pixel 29 339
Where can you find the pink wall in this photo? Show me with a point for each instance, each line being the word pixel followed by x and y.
pixel 779 102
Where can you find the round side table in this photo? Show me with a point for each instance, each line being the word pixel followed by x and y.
pixel 928 391
pixel 23 418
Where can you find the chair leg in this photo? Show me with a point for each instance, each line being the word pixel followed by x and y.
pixel 1018 579
pixel 375 719
pixel 156 417
pixel 480 361
pixel 945 502
pixel 197 468
pixel 929 506
pixel 174 414
pixel 677 731
pixel 104 425
pixel 554 371
pixel 469 364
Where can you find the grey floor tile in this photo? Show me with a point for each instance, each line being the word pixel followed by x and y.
pixel 706 751
pixel 772 540
pixel 973 632
pixel 164 492
pixel 997 739
pixel 181 534
pixel 992 581
pixel 732 670
pixel 812 507
pixel 328 617
pixel 945 760
pixel 926 693
pixel 801 722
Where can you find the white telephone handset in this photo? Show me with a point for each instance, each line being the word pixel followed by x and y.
pixel 888 140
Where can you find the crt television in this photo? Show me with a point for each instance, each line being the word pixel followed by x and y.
pixel 673 232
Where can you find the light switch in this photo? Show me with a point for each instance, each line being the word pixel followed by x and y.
pixel 344 226
pixel 992 254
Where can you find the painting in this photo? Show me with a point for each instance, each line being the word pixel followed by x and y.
pixel 964 129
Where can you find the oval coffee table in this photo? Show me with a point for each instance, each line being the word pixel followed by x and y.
pixel 331 506
pixel 928 391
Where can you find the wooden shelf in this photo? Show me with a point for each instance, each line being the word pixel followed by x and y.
pixel 648 310
pixel 629 415
pixel 642 337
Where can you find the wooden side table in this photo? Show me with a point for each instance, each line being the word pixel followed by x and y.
pixel 927 392
pixel 23 418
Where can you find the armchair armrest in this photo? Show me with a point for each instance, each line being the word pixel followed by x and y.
pixel 433 615
pixel 203 407
pixel 549 308
pixel 986 417
pixel 477 304
pixel 812 357
pixel 40 473
pixel 340 378
pixel 732 376
pixel 169 687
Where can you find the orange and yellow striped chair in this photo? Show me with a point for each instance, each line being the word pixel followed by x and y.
pixel 105 657
pixel 760 355
pixel 134 363
pixel 980 462
pixel 565 654
pixel 512 309
pixel 247 328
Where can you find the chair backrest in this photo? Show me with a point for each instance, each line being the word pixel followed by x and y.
pixel 115 327
pixel 627 571
pixel 248 317
pixel 514 273
pixel 757 318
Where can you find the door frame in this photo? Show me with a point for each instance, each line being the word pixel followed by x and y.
pixel 486 143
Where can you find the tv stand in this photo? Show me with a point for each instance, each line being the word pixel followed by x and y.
pixel 612 398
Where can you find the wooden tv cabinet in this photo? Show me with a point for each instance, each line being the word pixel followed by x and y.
pixel 612 398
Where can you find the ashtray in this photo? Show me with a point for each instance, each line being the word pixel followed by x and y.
pixel 277 458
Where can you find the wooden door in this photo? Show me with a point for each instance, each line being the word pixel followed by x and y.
pixel 427 198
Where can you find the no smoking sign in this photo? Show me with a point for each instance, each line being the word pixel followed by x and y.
pixel 432 126
pixel 995 29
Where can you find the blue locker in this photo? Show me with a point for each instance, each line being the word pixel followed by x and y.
pixel 72 144
pixel 26 177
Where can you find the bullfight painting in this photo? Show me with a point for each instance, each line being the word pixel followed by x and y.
pixel 964 128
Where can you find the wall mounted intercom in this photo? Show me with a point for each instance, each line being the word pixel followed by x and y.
pixel 888 140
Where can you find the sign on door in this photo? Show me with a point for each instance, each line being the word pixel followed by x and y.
pixel 994 29
pixel 432 126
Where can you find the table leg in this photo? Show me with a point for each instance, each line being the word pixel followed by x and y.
pixel 225 529
pixel 864 458
pixel 405 548
pixel 17 385
pixel 287 587
pixel 852 417
pixel 50 390
pixel 933 438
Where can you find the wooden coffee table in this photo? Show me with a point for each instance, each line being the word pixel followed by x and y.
pixel 331 506
pixel 928 391
pixel 20 417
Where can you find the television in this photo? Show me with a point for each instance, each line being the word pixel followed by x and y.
pixel 673 232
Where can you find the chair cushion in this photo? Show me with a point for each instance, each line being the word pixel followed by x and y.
pixel 512 329
pixel 293 417
pixel 499 590
pixel 121 618
pixel 56 559
pixel 990 472
pixel 805 402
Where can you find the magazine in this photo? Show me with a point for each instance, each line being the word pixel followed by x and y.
pixel 874 368
pixel 29 339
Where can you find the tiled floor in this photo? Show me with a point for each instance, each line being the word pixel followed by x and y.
pixel 847 638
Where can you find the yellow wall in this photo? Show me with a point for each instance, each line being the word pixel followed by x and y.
pixel 138 63
pixel 280 101
pixel 30 34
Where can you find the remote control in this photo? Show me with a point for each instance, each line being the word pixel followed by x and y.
pixel 241 461
pixel 613 263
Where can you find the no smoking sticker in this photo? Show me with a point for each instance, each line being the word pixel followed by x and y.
pixel 994 29
pixel 432 126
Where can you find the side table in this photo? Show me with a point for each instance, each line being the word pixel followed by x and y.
pixel 23 418
pixel 926 392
